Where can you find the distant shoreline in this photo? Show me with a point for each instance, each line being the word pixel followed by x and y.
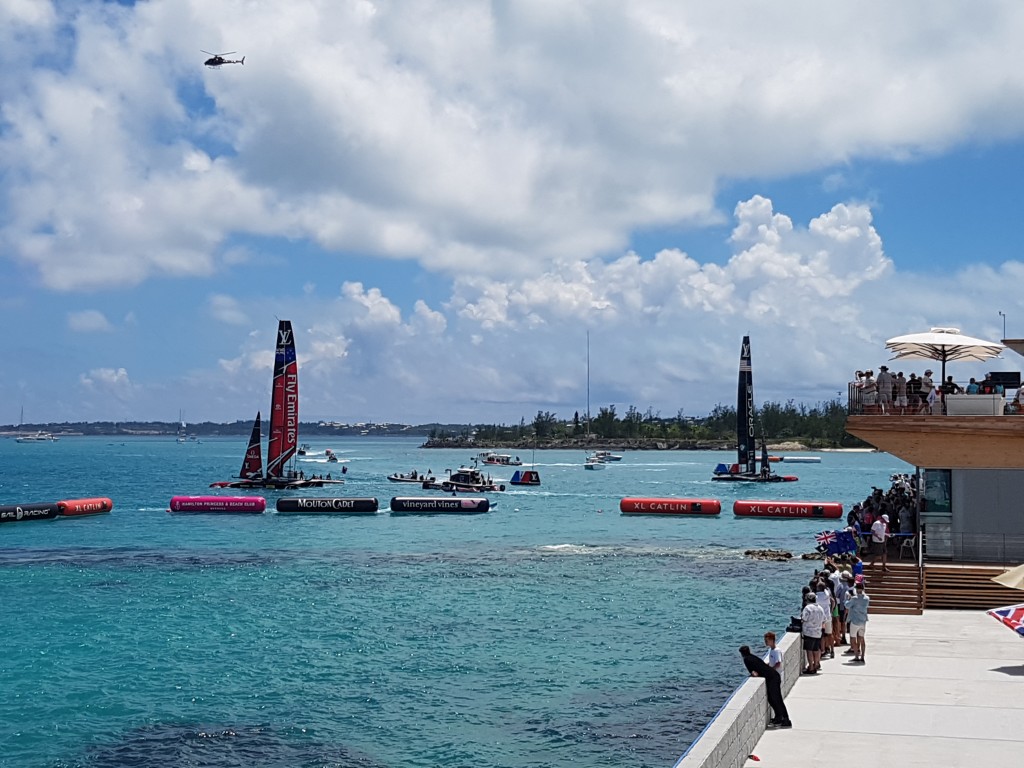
pixel 464 441
pixel 603 444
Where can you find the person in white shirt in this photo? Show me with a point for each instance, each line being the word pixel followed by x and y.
pixel 879 541
pixel 773 658
pixel 812 618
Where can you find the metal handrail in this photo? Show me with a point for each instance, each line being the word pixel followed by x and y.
pixel 996 548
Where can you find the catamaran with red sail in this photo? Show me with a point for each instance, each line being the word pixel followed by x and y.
pixel 284 429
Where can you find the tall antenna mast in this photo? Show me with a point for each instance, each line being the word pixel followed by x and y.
pixel 588 383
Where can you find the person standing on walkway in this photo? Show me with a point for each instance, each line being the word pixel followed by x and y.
pixel 824 599
pixel 842 597
pixel 880 541
pixel 857 612
pixel 773 658
pixel 773 687
pixel 812 619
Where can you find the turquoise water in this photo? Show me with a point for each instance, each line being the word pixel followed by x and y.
pixel 550 632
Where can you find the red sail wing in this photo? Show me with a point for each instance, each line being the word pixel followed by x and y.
pixel 252 464
pixel 284 404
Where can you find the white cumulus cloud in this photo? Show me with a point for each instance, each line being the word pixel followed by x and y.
pixel 88 321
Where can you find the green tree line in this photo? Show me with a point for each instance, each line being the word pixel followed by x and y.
pixel 820 425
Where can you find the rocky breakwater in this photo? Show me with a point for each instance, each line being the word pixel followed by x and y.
pixel 775 555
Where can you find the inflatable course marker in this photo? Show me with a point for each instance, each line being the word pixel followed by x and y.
pixel 670 507
pixel 230 505
pixel 432 505
pixel 317 505
pixel 788 509
pixel 16 513
pixel 84 507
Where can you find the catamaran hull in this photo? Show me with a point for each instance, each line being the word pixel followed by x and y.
pixel 275 485
pixel 756 478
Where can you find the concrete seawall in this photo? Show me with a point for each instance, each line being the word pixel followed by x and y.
pixel 737 727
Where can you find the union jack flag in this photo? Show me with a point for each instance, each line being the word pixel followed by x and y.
pixel 1012 616
pixel 825 538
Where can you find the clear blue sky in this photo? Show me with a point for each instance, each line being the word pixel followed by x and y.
pixel 445 198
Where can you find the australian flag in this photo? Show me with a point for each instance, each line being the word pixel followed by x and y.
pixel 836 542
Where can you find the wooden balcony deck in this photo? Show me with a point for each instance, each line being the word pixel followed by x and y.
pixel 945 442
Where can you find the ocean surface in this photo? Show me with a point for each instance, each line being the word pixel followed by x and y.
pixel 552 631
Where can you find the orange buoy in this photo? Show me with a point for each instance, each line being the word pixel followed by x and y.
pixel 82 507
pixel 670 506
pixel 785 509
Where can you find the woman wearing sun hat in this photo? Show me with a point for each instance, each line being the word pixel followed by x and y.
pixel 927 385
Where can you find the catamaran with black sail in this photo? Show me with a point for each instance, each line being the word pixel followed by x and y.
pixel 745 468
pixel 284 429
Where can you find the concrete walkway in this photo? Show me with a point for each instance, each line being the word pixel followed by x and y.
pixel 942 689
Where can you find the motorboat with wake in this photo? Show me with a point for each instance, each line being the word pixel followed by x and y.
pixel 412 477
pixel 499 459
pixel 465 480
pixel 745 469
pixel 282 444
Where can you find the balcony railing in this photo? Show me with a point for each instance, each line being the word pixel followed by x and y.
pixel 860 403
pixel 996 548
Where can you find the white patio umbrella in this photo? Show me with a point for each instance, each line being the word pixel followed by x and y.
pixel 942 344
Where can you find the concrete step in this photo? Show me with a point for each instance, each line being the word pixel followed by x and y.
pixel 897 610
pixel 898 591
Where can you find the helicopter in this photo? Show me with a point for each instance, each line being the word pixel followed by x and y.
pixel 218 58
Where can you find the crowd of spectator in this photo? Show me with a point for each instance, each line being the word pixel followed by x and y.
pixel 834 608
pixel 834 613
pixel 898 505
pixel 889 393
